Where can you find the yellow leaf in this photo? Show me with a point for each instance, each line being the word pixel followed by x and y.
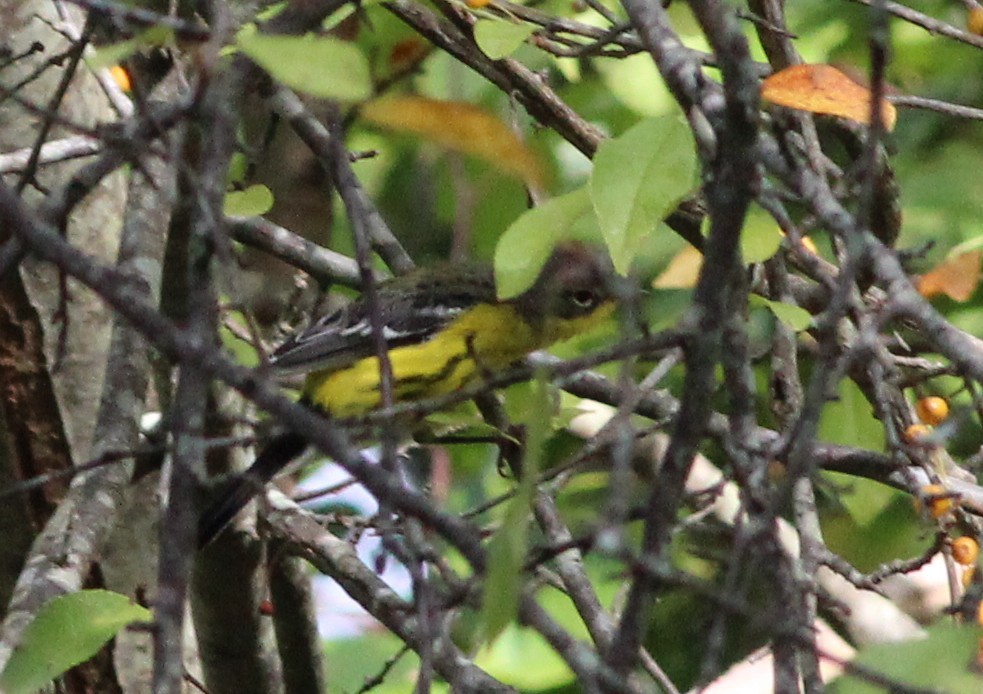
pixel 956 277
pixel 459 127
pixel 824 89
pixel 682 272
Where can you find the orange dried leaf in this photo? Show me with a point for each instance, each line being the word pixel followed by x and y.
pixel 956 277
pixel 824 89
pixel 460 127
pixel 974 21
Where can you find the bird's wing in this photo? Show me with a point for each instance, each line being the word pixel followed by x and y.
pixel 412 309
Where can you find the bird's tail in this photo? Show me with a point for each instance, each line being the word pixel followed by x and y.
pixel 233 496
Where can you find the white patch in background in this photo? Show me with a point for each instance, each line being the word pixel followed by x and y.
pixel 338 615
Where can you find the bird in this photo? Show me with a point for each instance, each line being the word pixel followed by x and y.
pixel 444 328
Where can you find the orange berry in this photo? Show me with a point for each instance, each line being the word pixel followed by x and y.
pixel 974 21
pixel 121 77
pixel 916 431
pixel 965 550
pixel 932 410
pixel 967 578
pixel 477 4
pixel 940 507
pixel 938 500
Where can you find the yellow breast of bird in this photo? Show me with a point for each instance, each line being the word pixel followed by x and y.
pixel 483 340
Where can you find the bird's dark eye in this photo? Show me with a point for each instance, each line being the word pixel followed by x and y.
pixel 583 298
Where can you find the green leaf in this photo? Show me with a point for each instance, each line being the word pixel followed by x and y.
pixel 795 317
pixel 460 425
pixel 499 39
pixel 317 65
pixel 638 178
pixel 523 659
pixel 525 246
pixel 662 308
pixel 940 662
pixel 849 420
pixel 636 83
pixel 507 550
pixel 759 241
pixel 253 201
pixel 67 630
pixel 358 659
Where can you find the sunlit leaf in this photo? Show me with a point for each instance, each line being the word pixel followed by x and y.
pixel 317 65
pixel 527 243
pixel 499 38
pixel 638 178
pixel 461 127
pixel 253 201
pixel 956 277
pixel 68 630
pixel 824 89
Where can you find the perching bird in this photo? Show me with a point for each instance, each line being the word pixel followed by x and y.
pixel 444 327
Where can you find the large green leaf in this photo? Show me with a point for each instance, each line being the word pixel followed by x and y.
pixel 316 65
pixel 527 243
pixel 67 631
pixel 638 179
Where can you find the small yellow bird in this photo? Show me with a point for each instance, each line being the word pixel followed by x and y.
pixel 444 327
